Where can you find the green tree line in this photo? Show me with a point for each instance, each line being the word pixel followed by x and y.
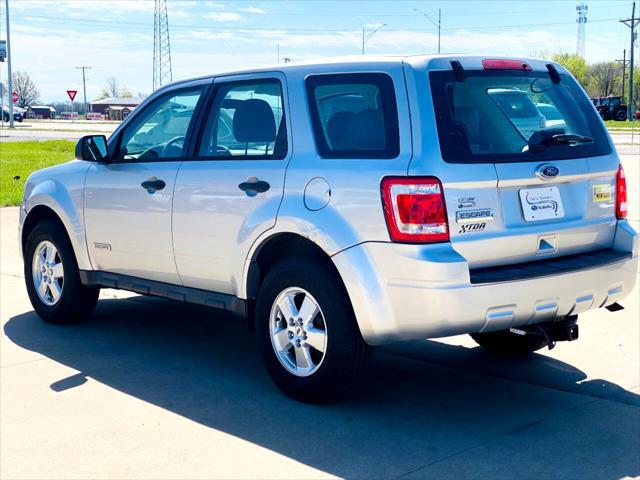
pixel 599 79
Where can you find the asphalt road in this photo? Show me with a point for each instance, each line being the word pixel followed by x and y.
pixel 153 389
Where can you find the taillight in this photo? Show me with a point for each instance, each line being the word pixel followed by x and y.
pixel 414 209
pixel 621 194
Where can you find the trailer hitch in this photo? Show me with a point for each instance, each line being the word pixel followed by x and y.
pixel 561 330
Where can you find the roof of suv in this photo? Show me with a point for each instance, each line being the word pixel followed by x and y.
pixel 426 62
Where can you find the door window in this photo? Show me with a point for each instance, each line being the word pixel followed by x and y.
pixel 246 121
pixel 161 130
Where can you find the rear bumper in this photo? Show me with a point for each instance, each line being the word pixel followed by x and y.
pixel 406 292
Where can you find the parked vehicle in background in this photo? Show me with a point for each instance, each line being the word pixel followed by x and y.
pixel 41 112
pixel 552 116
pixel 18 115
pixel 94 116
pixel 518 107
pixel 611 108
pixel 425 197
pixel 69 115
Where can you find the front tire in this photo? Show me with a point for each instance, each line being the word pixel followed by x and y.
pixel 505 343
pixel 309 339
pixel 52 277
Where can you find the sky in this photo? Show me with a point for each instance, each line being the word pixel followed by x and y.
pixel 115 37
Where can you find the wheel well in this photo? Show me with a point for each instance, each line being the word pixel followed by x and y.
pixel 35 216
pixel 276 249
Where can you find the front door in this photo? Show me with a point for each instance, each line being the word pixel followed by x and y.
pixel 128 200
pixel 230 191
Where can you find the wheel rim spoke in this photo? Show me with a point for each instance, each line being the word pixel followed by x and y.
pixel 55 289
pixel 317 338
pixel 281 338
pixel 303 358
pixel 43 288
pixel 308 311
pixel 58 272
pixel 51 251
pixel 288 307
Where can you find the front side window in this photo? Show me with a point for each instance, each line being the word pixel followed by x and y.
pixel 161 130
pixel 246 121
pixel 354 115
pixel 514 116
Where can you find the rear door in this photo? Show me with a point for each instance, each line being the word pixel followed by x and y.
pixel 229 191
pixel 554 188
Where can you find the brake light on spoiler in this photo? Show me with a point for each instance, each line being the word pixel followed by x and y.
pixel 497 64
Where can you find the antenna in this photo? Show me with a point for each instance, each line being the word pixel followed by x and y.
pixel 582 10
pixel 161 47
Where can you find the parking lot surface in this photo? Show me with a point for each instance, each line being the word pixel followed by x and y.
pixel 154 389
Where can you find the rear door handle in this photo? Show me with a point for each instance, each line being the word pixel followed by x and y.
pixel 152 185
pixel 253 186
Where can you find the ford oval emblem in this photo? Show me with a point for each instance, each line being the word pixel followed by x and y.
pixel 545 172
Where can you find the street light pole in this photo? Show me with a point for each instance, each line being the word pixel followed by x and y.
pixel 437 23
pixel 9 57
pixel 365 38
pixel 632 23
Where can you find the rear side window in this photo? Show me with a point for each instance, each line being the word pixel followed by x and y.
pixel 354 115
pixel 246 121
pixel 511 116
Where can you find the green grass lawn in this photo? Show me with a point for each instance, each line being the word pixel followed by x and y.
pixel 615 125
pixel 19 159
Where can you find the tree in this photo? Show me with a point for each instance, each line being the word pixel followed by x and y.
pixel 604 79
pixel 575 64
pixel 113 89
pixel 27 90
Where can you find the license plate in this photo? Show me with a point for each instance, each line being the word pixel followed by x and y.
pixel 541 203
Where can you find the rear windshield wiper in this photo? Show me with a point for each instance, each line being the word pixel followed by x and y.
pixel 544 139
pixel 566 139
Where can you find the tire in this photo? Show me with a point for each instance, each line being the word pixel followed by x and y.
pixel 505 343
pixel 621 115
pixel 321 377
pixel 63 300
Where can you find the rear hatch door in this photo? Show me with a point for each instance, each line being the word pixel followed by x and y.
pixel 554 190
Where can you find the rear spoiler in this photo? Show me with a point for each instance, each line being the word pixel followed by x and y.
pixel 494 64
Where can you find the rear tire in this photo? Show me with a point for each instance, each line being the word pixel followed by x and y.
pixel 314 358
pixel 621 115
pixel 52 277
pixel 505 343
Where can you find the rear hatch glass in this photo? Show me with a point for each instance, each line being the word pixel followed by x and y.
pixel 512 116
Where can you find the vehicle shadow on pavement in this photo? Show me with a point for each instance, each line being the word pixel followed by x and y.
pixel 412 419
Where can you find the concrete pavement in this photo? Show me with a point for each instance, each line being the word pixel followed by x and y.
pixel 154 389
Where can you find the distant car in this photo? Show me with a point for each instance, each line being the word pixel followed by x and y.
pixel 94 116
pixel 17 116
pixel 552 115
pixel 519 109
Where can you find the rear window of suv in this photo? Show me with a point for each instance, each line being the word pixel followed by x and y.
pixel 511 116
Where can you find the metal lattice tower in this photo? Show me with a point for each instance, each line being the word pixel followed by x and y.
pixel 582 10
pixel 161 46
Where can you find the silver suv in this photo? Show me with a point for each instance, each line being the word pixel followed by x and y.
pixel 346 204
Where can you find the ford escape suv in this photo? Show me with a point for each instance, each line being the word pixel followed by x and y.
pixel 346 204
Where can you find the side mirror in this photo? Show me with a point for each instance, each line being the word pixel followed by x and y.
pixel 92 148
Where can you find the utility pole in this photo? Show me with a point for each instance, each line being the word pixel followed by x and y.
pixel 632 23
pixel 365 38
pixel 582 11
pixel 9 57
pixel 84 86
pixel 625 63
pixel 437 23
